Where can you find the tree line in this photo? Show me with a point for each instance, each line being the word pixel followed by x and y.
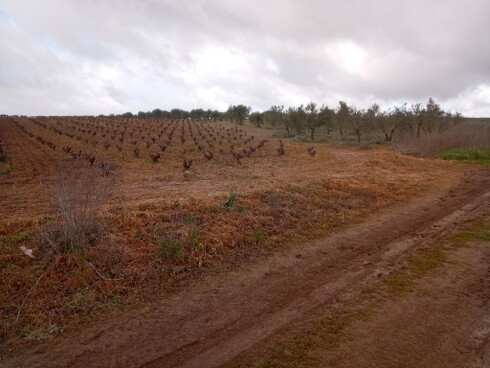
pixel 307 120
pixel 343 120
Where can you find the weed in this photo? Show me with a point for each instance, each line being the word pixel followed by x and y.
pixel 398 284
pixel 470 155
pixel 189 219
pixel 21 236
pixel 477 231
pixel 76 302
pixel 423 292
pixel 426 261
pixel 259 234
pixel 193 238
pixel 42 333
pixel 137 234
pixel 231 203
pixel 79 192
pixel 169 249
pixel 232 198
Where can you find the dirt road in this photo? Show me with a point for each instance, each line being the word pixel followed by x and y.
pixel 226 316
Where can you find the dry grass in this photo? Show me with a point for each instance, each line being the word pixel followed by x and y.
pixel 79 191
pixel 461 136
pixel 138 261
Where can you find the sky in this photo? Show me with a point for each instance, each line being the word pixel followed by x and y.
pixel 72 57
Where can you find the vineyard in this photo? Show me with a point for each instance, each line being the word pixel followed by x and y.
pixel 187 197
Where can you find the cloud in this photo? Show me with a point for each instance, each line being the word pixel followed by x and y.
pixel 91 57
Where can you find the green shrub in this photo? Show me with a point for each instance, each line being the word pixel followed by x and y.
pixel 169 249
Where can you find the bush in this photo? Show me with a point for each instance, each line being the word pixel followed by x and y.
pixel 79 191
pixel 169 248
pixel 462 136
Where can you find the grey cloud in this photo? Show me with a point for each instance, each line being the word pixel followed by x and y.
pixel 67 56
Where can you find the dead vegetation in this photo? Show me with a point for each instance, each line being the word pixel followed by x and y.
pixel 461 136
pixel 166 227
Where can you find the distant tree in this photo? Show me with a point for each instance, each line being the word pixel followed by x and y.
pixel 216 115
pixel 179 114
pixel 356 117
pixel 296 119
pixel 127 115
pixel 342 117
pixel 157 113
pixel 238 113
pixel 274 116
pixel 198 114
pixel 315 118
pixel 256 118
pixel 326 115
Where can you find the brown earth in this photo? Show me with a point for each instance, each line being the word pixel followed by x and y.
pixel 235 315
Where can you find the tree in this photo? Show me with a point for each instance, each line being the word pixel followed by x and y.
pixel 342 117
pixel 296 119
pixel 326 115
pixel 274 116
pixel 313 120
pixel 356 116
pixel 197 114
pixel 256 118
pixel 238 113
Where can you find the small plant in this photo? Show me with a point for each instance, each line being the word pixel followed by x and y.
pixel 79 192
pixel 231 202
pixel 169 249
pixel 232 198
pixel 398 284
pixel 259 234
pixel 193 238
pixel 137 234
pixel 189 219
pixel 16 238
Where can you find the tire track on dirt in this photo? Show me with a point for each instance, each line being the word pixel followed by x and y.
pixel 224 316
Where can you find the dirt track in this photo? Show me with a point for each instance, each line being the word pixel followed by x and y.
pixel 225 316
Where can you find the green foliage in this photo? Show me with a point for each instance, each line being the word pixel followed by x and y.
pixel 17 237
pixel 169 249
pixel 238 113
pixel 472 155
pixel 232 198
pixel 398 284
pixel 193 238
pixel 259 234
pixel 256 118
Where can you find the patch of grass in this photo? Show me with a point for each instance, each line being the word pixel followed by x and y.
pixel 231 203
pixel 137 234
pixel 325 334
pixel 479 230
pixel 260 235
pixel 17 237
pixel 398 284
pixel 471 155
pixel 193 238
pixel 426 260
pixel 169 249
pixel 189 219
pixel 42 333
pixel 232 198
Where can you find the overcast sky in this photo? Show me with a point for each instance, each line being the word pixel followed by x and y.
pixel 111 56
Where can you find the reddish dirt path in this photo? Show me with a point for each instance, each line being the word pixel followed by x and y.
pixel 449 327
pixel 227 315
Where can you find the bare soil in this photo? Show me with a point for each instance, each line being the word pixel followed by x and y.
pixel 229 319
pixel 236 316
